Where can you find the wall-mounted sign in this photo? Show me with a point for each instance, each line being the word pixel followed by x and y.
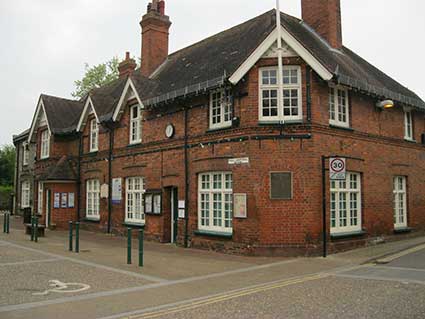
pixel 116 190
pixel 104 191
pixel 239 161
pixel 56 201
pixel 71 200
pixel 64 200
pixel 157 203
pixel 182 209
pixel 148 203
pixel 239 206
pixel 337 169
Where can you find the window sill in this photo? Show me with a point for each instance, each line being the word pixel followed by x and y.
pixel 217 129
pixel 134 225
pixel 279 123
pixel 340 127
pixel 131 145
pixel 402 230
pixel 352 234
pixel 91 220
pixel 212 233
pixel 409 140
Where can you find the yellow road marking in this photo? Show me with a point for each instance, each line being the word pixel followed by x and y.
pixel 229 296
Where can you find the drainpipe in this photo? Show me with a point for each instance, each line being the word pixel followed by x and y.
pixel 15 206
pixel 110 158
pixel 80 154
pixel 186 175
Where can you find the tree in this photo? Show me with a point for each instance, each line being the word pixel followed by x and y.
pixel 7 165
pixel 96 76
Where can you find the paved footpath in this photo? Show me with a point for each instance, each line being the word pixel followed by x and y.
pixel 44 280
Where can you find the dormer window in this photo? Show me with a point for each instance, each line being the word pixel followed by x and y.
pixel 94 136
pixel 408 125
pixel 45 144
pixel 221 108
pixel 338 106
pixel 283 106
pixel 135 124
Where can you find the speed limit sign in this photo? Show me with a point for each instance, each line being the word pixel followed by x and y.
pixel 337 169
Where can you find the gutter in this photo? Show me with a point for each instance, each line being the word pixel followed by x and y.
pixel 16 180
pixel 80 153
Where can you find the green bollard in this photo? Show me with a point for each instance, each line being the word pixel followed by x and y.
pixel 128 246
pixel 7 222
pixel 141 248
pixel 36 230
pixel 70 236
pixel 77 237
pixel 4 223
pixel 32 228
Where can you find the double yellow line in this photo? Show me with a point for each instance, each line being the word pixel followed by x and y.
pixel 228 296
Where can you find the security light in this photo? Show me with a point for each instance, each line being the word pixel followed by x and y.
pixel 386 104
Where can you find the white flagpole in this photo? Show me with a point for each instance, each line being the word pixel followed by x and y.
pixel 280 62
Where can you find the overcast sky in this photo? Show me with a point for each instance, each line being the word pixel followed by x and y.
pixel 45 43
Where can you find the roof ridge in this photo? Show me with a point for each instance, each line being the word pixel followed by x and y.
pixel 217 34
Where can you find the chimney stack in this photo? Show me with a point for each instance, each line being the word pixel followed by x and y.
pixel 324 16
pixel 155 30
pixel 127 66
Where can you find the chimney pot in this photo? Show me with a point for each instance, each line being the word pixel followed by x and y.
pixel 126 67
pixel 162 7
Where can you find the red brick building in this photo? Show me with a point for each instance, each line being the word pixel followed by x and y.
pixel 218 146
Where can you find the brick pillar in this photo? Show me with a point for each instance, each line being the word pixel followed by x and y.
pixel 155 31
pixel 127 66
pixel 324 16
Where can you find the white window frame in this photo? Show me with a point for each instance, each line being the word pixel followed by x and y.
pixel 342 192
pixel 337 107
pixel 40 198
pixel 25 154
pixel 408 125
pixel 280 117
pixel 94 135
pixel 93 199
pixel 45 144
pixel 25 194
pixel 135 125
pixel 400 202
pixel 221 106
pixel 134 201
pixel 206 196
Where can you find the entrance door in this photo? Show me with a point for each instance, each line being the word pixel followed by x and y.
pixel 48 207
pixel 174 214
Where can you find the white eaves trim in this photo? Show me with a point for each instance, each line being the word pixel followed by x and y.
pixel 40 106
pixel 122 100
pixel 84 114
pixel 293 43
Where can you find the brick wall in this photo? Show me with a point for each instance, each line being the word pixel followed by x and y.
pixel 273 227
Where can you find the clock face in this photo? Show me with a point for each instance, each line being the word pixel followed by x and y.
pixel 169 131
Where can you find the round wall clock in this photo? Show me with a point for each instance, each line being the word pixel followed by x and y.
pixel 169 131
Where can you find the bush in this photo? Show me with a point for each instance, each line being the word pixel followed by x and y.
pixel 5 192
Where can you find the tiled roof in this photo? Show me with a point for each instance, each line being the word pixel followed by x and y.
pixel 218 57
pixel 62 171
pixel 62 114
pixel 222 54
